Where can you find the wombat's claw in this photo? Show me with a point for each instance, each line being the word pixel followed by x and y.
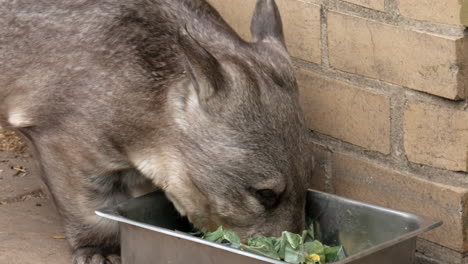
pixel 94 256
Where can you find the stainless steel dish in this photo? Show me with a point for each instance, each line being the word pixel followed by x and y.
pixel 153 232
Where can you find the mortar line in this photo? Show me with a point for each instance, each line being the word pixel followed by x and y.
pixel 395 19
pixel 380 86
pixel 397 107
pixel 432 174
pixel 391 7
pixel 329 181
pixel 428 246
pixel 324 36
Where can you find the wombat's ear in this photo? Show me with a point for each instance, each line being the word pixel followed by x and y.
pixel 266 23
pixel 203 68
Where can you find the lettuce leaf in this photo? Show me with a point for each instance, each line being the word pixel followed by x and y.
pixel 290 247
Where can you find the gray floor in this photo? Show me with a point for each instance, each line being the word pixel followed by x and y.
pixel 30 229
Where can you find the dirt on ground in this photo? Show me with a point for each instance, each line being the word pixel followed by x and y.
pixel 10 141
pixel 31 231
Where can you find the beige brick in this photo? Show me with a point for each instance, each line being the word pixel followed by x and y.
pixel 436 252
pixel 364 181
pixel 237 13
pixel 436 136
pixel 374 4
pixel 448 11
pixel 301 22
pixel 421 61
pixel 320 173
pixel 464 21
pixel 345 111
pixel 462 55
pixel 465 230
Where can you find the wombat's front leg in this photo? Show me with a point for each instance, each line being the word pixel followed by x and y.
pixel 79 186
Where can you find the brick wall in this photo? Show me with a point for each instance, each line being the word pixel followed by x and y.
pixel 384 85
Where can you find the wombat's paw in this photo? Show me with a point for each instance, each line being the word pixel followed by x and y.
pixel 94 256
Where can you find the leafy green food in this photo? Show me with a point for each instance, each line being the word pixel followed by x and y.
pixel 333 254
pixel 290 247
pixel 221 236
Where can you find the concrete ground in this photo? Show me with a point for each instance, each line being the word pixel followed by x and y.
pixel 30 228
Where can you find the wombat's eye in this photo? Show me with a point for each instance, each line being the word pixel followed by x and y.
pixel 267 197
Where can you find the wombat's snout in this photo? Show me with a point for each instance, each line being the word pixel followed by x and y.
pixel 295 224
pixel 275 229
pixel 287 217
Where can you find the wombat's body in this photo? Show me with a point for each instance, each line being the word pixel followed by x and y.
pixel 119 96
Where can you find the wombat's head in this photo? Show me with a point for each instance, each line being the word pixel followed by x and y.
pixel 242 138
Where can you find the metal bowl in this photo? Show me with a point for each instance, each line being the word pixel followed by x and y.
pixel 153 232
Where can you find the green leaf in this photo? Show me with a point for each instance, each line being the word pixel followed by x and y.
pixel 269 243
pixel 293 255
pixel 277 244
pixel 304 236
pixel 333 254
pixel 341 254
pixel 215 236
pixel 290 247
pixel 293 239
pixel 317 231
pixel 282 247
pixel 231 237
pixel 310 228
pixel 315 247
pixel 262 251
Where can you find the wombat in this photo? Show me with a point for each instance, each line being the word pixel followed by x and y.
pixel 118 97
